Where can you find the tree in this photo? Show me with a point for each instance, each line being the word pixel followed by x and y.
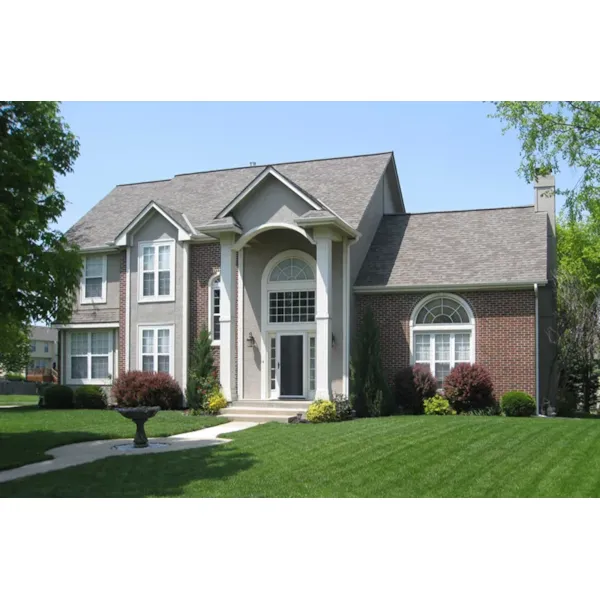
pixel 371 396
pixel 39 268
pixel 555 132
pixel 14 347
pixel 200 375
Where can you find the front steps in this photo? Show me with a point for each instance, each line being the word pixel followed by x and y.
pixel 262 411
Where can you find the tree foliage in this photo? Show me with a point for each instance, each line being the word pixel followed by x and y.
pixel 553 133
pixel 14 347
pixel 371 396
pixel 39 268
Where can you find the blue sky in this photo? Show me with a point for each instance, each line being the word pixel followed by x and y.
pixel 449 155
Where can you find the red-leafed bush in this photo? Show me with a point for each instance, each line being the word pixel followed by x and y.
pixel 412 386
pixel 469 387
pixel 138 388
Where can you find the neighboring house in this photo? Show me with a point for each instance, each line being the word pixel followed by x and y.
pixel 281 262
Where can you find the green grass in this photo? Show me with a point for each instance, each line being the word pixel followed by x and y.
pixel 396 456
pixel 17 399
pixel 27 432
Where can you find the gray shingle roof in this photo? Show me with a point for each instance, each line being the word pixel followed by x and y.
pixel 343 184
pixel 458 248
pixel 176 216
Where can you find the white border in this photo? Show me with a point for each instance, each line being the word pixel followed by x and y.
pixel 267 328
pixel 184 318
pixel 211 303
pixel 101 299
pixel 140 274
pixel 442 327
pixel 111 359
pixel 252 233
pixel 435 287
pixel 240 325
pixel 88 326
pixel 155 327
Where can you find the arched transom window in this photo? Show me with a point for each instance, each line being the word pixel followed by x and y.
pixel 442 334
pixel 291 289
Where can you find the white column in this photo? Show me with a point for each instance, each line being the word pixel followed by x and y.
pixel 322 316
pixel 227 308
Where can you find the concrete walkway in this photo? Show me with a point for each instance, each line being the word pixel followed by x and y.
pixel 85 452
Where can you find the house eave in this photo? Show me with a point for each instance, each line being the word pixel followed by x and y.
pixel 499 285
pixel 329 221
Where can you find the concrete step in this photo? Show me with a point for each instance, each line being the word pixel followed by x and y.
pixel 257 417
pixel 300 404
pixel 261 410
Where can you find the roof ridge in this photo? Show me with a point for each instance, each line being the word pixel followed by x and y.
pixel 293 162
pixel 444 212
pixel 143 182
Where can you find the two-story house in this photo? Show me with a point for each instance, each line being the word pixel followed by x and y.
pixel 280 262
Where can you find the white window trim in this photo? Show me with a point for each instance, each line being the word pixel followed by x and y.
pixel 89 380
pixel 211 307
pixel 155 244
pixel 433 328
pixel 155 328
pixel 97 300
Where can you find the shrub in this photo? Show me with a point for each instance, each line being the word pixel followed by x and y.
pixel 370 394
pixel 202 360
pixel 412 386
pixel 321 411
pixel 59 396
pixel 215 402
pixel 438 405
pixel 518 404
pixel 469 387
pixel 343 408
pixel 15 377
pixel 90 396
pixel 139 388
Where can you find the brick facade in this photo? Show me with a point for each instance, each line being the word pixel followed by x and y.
pixel 122 310
pixel 204 262
pixel 504 333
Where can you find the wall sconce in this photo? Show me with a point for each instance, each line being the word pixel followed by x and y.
pixel 250 340
pixel 332 340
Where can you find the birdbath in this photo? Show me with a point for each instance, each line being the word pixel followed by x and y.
pixel 139 415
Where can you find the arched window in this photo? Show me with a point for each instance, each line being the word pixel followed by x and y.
pixel 291 289
pixel 442 334
pixel 214 308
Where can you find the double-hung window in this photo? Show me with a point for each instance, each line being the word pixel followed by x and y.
pixel 156 348
pixel 214 309
pixel 443 330
pixel 156 270
pixel 93 283
pixel 90 356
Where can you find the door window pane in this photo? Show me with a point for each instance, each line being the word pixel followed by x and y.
pixel 312 363
pixel 273 363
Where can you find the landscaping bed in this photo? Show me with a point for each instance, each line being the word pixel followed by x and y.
pixel 409 456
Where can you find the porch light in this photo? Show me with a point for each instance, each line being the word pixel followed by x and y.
pixel 250 340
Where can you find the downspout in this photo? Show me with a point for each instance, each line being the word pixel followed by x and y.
pixel 537 350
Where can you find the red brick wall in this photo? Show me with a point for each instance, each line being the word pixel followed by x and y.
pixel 122 309
pixel 504 333
pixel 204 262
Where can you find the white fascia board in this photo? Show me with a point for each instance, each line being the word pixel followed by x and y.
pixel 331 221
pixel 121 239
pixel 216 230
pixel 390 289
pixel 109 248
pixel 87 326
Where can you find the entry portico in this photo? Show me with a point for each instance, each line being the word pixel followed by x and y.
pixel 280 279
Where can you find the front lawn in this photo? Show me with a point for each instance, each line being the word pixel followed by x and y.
pixel 27 432
pixel 17 399
pixel 395 456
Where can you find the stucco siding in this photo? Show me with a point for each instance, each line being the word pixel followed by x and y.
pixel 103 312
pixel 156 313
pixel 271 202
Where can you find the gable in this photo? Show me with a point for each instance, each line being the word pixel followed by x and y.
pixel 154 227
pixel 271 202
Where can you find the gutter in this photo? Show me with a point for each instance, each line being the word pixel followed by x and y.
pixel 499 285
pixel 329 220
pixel 537 350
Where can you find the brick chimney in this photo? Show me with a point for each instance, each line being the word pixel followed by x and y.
pixel 543 188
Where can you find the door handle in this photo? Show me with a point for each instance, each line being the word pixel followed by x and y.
pixel 278 364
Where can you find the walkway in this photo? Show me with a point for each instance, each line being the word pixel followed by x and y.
pixel 85 452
